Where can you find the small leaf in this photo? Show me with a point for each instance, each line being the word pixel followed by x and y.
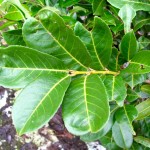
pixel 142 140
pixel 128 45
pixel 143 109
pixel 49 34
pixel 40 105
pixel 139 64
pixel 145 88
pixel 116 89
pixel 122 135
pixel 98 6
pixel 127 114
pixel 85 106
pixel 127 13
pixel 98 42
pixel 14 37
pixel 136 4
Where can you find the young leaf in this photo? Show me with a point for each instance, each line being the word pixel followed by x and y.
pixel 98 42
pixel 98 6
pixel 21 65
pixel 127 114
pixel 127 13
pixel 49 34
pixel 14 37
pixel 135 4
pixel 85 106
pixel 139 64
pixel 122 135
pixel 142 140
pixel 128 45
pixel 39 101
pixel 143 109
pixel 116 89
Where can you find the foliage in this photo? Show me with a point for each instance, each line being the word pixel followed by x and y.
pixel 89 57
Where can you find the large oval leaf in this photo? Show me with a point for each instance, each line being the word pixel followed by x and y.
pixel 98 42
pixel 49 34
pixel 39 101
pixel 21 65
pixel 139 64
pixel 128 45
pixel 116 89
pixel 85 106
pixel 122 135
pixel 136 4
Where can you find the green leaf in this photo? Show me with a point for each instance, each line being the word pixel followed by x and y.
pixel 139 64
pixel 21 65
pixel 98 6
pixel 14 37
pixel 39 101
pixel 127 13
pixel 143 109
pixel 122 135
pixel 141 23
pixel 90 137
pixel 98 42
pixel 136 4
pixel 128 45
pixel 68 2
pixel 134 79
pixel 127 114
pixel 116 89
pixel 7 24
pixel 142 140
pixel 85 106
pixel 143 43
pixel 49 34
pixel 145 88
pixel 131 95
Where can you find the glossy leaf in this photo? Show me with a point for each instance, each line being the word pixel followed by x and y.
pixel 143 109
pixel 98 6
pixel 127 13
pixel 142 140
pixel 21 65
pixel 116 89
pixel 145 88
pixel 143 43
pixel 128 45
pixel 49 34
pixel 134 79
pixel 131 95
pixel 127 114
pixel 139 64
pixel 85 106
pixel 14 37
pixel 41 104
pixel 136 4
pixel 98 42
pixel 122 135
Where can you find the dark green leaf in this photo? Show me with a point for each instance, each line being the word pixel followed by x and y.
pixel 98 42
pixel 122 135
pixel 85 106
pixel 14 37
pixel 127 114
pixel 131 95
pixel 143 43
pixel 40 105
pixel 128 45
pixel 142 140
pixel 143 109
pixel 136 4
pixel 49 34
pixel 116 89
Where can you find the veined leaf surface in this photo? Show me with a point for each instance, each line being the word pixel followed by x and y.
pixel 49 34
pixel 142 140
pixel 85 106
pixel 116 89
pixel 136 4
pixel 21 65
pixel 139 64
pixel 34 109
pixel 98 42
